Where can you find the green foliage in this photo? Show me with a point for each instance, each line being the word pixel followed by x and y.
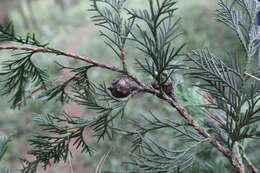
pixel 3 147
pixel 110 18
pixel 79 79
pixel 66 131
pixel 240 16
pixel 151 156
pixel 16 73
pixel 8 34
pixel 107 106
pixel 55 145
pixel 156 42
pixel 230 89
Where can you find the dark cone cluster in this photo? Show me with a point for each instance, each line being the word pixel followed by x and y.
pixel 122 87
pixel 167 87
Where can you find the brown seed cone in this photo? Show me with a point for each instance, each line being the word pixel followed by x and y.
pixel 167 87
pixel 122 87
pixel 155 85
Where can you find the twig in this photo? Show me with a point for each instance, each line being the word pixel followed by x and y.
pixel 123 60
pixel 101 162
pixel 71 55
pixel 250 164
pixel 53 51
pixel 70 162
pixel 252 76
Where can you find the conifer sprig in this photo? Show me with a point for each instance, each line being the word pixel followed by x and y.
pixel 224 85
pixel 157 158
pixel 3 145
pixel 156 42
pixel 107 107
pixel 240 16
pixel 8 34
pixel 61 91
pixel 233 92
pixel 4 141
pixel 112 20
pixel 61 133
pixel 17 73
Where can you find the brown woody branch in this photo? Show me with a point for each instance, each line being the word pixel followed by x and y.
pixel 53 51
pixel 250 164
pixel 172 100
pixel 71 55
pixel 144 88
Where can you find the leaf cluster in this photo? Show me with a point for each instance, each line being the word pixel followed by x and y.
pixel 61 133
pixel 109 16
pixel 151 155
pixel 61 91
pixel 240 16
pixel 156 41
pixel 4 141
pixel 233 96
pixel 107 107
pixel 18 73
pixel 8 34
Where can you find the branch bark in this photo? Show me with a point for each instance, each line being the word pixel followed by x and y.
pixel 73 56
pixel 172 100
pixel 249 162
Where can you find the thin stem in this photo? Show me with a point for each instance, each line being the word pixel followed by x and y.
pixel 123 60
pixel 71 55
pixel 248 64
pixel 252 76
pixel 249 162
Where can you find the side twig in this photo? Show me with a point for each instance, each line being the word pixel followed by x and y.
pixel 71 55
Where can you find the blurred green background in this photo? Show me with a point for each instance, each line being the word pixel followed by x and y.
pixel 66 25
